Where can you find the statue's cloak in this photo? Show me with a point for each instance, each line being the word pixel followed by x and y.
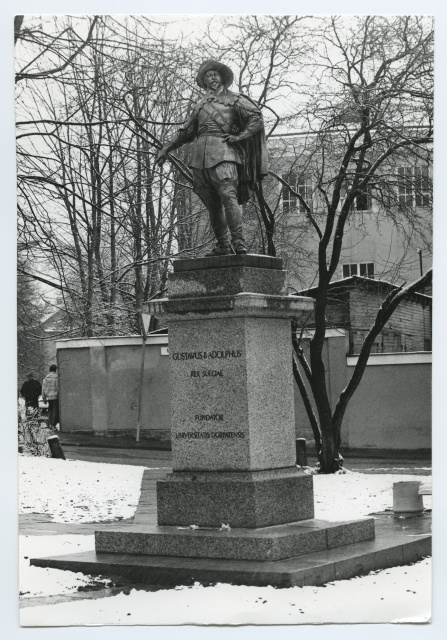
pixel 255 166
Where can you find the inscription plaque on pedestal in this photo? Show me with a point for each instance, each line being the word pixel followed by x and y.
pixel 231 394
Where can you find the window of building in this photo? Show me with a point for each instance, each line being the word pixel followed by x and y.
pixel 388 341
pixel 350 270
pixel 414 186
pixel 304 188
pixel 422 186
pixel 365 269
pixel 303 185
pixel 362 200
pixel 288 199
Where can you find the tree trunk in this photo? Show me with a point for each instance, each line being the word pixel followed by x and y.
pixel 329 456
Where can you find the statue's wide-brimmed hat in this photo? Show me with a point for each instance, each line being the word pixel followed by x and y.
pixel 213 65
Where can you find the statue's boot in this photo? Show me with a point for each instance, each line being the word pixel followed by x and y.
pixel 239 248
pixel 220 250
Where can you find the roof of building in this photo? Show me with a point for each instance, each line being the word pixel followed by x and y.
pixel 343 286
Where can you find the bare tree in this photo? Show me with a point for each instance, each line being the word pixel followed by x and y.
pixel 51 55
pixel 370 111
pixel 29 313
pixel 93 208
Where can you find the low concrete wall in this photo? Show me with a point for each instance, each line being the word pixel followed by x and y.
pixel 391 408
pixel 99 386
pixel 392 405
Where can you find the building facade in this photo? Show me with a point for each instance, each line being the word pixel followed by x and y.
pixel 388 233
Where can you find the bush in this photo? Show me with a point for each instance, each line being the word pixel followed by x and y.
pixel 33 433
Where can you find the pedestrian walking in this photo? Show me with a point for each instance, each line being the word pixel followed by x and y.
pixel 30 391
pixel 50 392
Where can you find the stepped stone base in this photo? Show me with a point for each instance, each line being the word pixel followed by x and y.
pixel 269 543
pixel 240 499
pixel 397 542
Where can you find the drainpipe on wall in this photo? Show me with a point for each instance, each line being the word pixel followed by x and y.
pixel 420 262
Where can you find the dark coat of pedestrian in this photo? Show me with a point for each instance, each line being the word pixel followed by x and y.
pixel 30 391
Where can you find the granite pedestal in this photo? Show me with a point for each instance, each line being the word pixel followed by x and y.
pixel 232 402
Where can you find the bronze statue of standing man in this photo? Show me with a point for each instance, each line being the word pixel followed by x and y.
pixel 228 155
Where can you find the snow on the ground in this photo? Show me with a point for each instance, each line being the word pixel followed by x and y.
pixel 40 581
pixel 84 492
pixel 352 495
pixel 399 594
pixel 74 491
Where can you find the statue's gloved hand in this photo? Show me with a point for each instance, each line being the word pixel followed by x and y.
pixel 162 156
pixel 231 139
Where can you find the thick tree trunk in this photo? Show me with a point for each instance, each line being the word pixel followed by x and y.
pixel 307 405
pixel 329 458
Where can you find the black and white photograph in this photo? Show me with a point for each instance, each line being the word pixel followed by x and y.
pixel 224 318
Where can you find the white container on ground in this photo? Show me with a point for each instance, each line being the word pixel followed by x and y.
pixel 406 498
